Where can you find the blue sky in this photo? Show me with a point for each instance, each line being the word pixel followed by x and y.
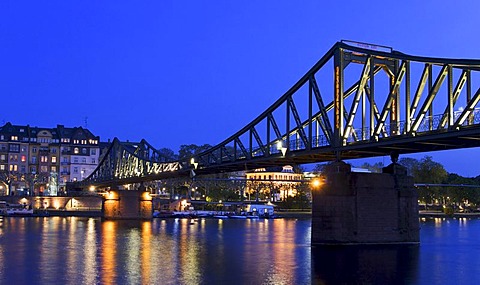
pixel 182 72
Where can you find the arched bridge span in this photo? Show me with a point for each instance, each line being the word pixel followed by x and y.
pixel 357 101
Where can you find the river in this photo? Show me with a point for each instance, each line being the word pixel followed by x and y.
pixel 72 250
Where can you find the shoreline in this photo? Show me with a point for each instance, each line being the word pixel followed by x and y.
pixel 297 214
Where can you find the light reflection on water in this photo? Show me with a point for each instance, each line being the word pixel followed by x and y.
pixel 72 250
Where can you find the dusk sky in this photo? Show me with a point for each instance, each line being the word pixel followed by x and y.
pixel 195 72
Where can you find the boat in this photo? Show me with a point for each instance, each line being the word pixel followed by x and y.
pixel 220 216
pixel 237 217
pixel 18 210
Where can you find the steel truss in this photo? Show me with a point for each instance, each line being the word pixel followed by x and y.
pixel 379 101
pixel 125 163
pixel 394 102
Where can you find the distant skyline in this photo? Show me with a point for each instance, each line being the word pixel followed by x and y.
pixel 195 72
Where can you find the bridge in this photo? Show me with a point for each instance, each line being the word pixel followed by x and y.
pixel 358 101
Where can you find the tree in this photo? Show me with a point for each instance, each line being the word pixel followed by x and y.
pixel 167 154
pixel 376 167
pixel 426 171
pixel 410 163
pixel 186 152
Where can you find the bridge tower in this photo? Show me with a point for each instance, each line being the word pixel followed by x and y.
pixel 365 208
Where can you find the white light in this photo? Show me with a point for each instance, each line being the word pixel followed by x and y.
pixel 279 145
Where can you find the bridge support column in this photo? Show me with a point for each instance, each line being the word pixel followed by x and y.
pixel 365 208
pixel 127 204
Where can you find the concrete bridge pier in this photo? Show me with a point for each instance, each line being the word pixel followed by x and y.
pixel 365 208
pixel 127 204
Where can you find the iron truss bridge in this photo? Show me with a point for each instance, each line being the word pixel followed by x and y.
pixel 359 100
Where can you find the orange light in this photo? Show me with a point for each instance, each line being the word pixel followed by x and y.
pixel 316 183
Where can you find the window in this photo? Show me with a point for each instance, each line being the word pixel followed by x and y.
pixel 65 159
pixel 54 169
pixel 84 160
pixel 34 159
pixel 75 170
pixel 14 147
pixel 43 168
pixel 24 158
pixel 54 159
pixel 43 158
pixel 34 149
pixel 14 138
pixel 13 167
pixel 2 167
pixel 94 161
pixel 23 148
pixel 3 157
pixel 23 169
pixel 33 169
pixel 75 150
pixel 84 150
pixel 53 150
pixel 93 151
pixel 13 157
pixel 75 159
pixel 2 137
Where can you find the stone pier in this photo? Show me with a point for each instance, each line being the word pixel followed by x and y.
pixel 365 208
pixel 127 204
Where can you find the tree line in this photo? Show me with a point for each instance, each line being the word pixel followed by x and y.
pixel 461 193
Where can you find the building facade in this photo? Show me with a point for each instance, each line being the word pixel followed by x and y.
pixel 273 184
pixel 40 161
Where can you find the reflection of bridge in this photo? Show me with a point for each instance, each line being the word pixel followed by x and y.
pixel 379 101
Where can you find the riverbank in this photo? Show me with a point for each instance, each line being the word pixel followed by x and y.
pixel 296 214
pixel 436 214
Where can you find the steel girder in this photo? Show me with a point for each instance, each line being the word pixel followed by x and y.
pixel 285 134
pixel 125 163
pixel 378 101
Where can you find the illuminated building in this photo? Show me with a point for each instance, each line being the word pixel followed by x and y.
pixel 273 184
pixel 39 161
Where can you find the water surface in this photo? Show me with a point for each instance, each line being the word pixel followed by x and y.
pixel 58 250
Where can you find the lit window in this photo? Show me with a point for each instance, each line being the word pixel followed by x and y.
pixel 14 138
pixel 76 150
pixel 24 158
pixel 2 167
pixel 13 167
pixel 54 169
pixel 54 159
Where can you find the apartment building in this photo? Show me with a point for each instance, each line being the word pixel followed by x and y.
pixel 40 161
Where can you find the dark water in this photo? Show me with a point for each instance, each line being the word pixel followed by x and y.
pixel 58 250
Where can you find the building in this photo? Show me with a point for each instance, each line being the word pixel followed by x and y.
pixel 39 161
pixel 273 184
